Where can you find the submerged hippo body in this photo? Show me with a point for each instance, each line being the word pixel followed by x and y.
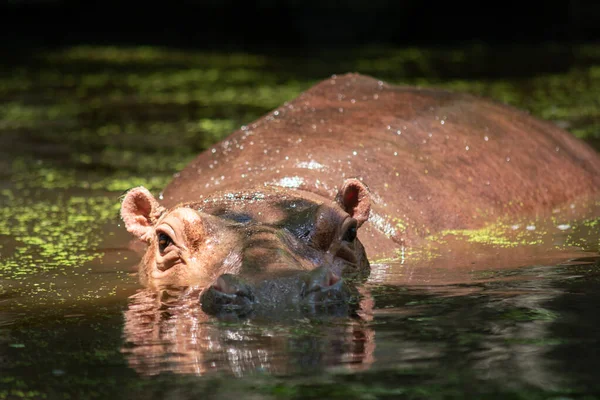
pixel 406 162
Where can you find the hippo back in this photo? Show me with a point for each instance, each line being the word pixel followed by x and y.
pixel 432 159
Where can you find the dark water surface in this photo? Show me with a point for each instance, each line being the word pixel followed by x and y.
pixel 78 127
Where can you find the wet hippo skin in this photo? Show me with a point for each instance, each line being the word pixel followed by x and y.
pixel 290 190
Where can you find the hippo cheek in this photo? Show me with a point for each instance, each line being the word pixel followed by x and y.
pixel 228 295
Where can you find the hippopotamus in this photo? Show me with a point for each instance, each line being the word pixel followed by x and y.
pixel 291 204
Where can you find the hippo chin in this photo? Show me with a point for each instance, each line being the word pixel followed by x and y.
pixel 252 216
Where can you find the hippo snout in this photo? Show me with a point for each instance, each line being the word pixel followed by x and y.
pixel 300 290
pixel 228 294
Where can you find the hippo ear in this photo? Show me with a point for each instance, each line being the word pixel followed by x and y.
pixel 139 211
pixel 355 199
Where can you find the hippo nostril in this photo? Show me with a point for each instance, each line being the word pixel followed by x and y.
pixel 227 294
pixel 324 288
pixel 321 279
pixel 331 279
pixel 221 285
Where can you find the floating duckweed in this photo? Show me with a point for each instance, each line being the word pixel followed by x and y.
pixel 400 224
pixel 152 56
pixel 499 234
pixel 530 314
pixel 52 235
pixel 592 222
pixel 30 174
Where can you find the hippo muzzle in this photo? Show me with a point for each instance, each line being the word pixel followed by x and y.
pixel 308 292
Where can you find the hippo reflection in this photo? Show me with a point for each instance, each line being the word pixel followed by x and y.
pixel 165 331
pixel 249 218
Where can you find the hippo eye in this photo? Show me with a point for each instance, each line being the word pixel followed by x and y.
pixel 163 241
pixel 350 234
pixel 305 234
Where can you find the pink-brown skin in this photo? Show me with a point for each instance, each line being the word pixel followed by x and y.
pixel 258 234
pixel 432 160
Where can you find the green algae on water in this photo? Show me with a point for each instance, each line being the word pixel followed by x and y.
pixel 52 235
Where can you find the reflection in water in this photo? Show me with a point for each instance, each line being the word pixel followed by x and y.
pixel 498 326
pixel 166 330
pixel 507 328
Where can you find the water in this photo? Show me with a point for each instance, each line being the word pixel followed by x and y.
pixel 79 127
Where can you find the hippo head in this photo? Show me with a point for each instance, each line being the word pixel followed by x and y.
pixel 273 245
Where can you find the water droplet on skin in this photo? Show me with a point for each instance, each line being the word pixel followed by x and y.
pixel 341 109
pixel 354 152
pixel 352 101
pixel 442 122
pixel 515 227
pixel 467 148
pixel 486 138
pixel 160 196
pixel 276 113
pixel 395 153
pixel 398 132
pixel 507 159
pixel 530 227
pixel 213 151
pixel 557 149
pixel 564 227
pixel 375 96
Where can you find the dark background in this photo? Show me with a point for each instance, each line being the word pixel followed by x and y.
pixel 279 25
